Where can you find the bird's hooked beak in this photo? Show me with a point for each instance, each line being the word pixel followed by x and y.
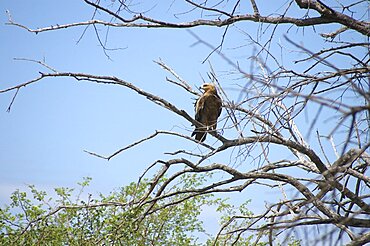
pixel 203 87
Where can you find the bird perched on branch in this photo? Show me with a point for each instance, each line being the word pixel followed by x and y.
pixel 207 109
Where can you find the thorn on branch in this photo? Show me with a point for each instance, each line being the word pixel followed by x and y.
pixel 11 103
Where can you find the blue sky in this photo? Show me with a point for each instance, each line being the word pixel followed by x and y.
pixel 52 122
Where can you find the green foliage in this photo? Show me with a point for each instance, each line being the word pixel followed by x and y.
pixel 233 219
pixel 126 216
pixel 66 219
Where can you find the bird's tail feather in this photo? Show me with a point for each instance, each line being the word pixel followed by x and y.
pixel 200 135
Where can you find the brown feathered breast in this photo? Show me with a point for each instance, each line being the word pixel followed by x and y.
pixel 207 109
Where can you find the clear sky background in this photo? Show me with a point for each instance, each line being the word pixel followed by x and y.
pixel 51 122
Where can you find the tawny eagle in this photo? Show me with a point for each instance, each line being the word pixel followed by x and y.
pixel 207 109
